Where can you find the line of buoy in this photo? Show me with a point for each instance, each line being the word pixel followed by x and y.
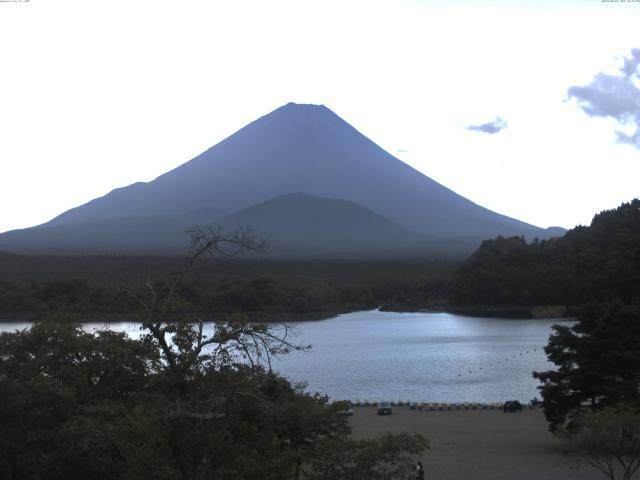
pixel 492 365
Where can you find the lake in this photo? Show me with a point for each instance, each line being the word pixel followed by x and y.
pixel 430 357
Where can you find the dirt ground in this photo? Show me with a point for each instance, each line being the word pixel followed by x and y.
pixel 477 444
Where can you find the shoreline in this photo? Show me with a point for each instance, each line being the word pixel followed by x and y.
pixel 437 406
pixel 560 312
pixel 257 317
pixel 516 312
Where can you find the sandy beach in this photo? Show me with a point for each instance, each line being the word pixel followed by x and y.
pixel 477 444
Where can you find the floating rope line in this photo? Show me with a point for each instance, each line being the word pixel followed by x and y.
pixel 498 362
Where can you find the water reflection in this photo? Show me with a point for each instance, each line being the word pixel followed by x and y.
pixel 435 357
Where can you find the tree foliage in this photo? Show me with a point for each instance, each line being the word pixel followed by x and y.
pixel 185 401
pixel 387 457
pixel 588 264
pixel 264 289
pixel 607 440
pixel 597 360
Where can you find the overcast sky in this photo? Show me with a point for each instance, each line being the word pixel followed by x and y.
pixel 529 108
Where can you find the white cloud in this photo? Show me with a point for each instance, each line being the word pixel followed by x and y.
pixel 615 96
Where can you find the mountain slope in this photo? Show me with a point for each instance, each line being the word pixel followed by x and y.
pixel 298 148
pixel 134 235
pixel 299 222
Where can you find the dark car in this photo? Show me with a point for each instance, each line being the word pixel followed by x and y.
pixel 512 406
pixel 384 408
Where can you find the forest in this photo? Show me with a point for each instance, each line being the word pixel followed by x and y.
pixel 91 287
pixel 595 263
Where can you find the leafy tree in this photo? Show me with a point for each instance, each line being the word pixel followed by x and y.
pixel 388 457
pixel 183 402
pixel 54 376
pixel 607 440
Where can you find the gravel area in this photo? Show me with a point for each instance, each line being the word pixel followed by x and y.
pixel 477 444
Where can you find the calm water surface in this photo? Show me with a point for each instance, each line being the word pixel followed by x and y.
pixel 437 357
pixel 433 357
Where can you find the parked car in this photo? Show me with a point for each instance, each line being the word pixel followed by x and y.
pixel 347 412
pixel 384 408
pixel 512 406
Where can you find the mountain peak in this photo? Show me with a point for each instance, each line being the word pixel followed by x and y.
pixel 303 106
pixel 296 111
pixel 302 148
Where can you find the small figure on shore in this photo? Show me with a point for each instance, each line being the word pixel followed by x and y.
pixel 419 471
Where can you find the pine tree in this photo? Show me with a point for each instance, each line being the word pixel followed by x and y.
pixel 598 363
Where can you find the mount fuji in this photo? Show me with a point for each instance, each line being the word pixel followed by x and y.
pixel 300 176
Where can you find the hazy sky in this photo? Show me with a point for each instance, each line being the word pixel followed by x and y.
pixel 526 107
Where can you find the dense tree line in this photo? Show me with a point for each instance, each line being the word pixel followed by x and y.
pixel 588 264
pixel 595 263
pixel 90 286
